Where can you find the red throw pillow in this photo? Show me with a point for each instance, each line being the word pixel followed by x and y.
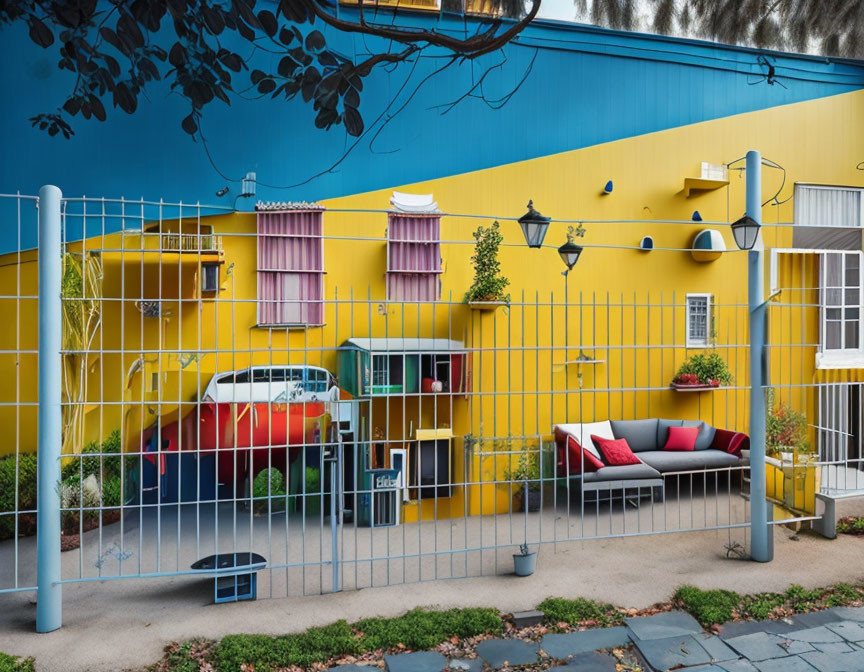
pixel 617 452
pixel 682 438
pixel 577 454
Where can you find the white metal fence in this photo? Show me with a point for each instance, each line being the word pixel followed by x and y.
pixel 435 457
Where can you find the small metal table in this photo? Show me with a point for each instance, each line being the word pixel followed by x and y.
pixel 235 575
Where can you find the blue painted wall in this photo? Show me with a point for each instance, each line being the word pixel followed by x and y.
pixel 586 86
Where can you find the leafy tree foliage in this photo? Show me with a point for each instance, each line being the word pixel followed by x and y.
pixel 116 48
pixel 828 27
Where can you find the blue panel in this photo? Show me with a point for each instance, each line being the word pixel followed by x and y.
pixel 582 86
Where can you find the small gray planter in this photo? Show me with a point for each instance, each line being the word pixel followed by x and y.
pixel 524 565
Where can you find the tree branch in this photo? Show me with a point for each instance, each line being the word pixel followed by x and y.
pixel 470 48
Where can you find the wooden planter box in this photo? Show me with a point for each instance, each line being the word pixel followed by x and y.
pixel 792 484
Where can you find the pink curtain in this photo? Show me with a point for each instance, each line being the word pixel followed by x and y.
pixel 414 258
pixel 290 267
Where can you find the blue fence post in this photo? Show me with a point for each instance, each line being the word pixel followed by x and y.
pixel 49 603
pixel 760 548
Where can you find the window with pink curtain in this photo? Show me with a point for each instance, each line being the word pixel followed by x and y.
pixel 290 268
pixel 413 257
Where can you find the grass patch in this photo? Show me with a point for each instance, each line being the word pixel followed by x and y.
pixel 708 606
pixel 15 664
pixel 418 629
pixel 574 612
pixel 711 607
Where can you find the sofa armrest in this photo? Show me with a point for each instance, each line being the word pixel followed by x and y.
pixel 730 442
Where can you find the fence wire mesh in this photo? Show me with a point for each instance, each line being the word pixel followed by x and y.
pixel 385 440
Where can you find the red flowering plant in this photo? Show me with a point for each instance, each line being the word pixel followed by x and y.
pixel 786 429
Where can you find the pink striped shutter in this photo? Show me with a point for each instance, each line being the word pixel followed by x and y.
pixel 414 257
pixel 290 267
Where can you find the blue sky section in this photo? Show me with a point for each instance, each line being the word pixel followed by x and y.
pixel 572 86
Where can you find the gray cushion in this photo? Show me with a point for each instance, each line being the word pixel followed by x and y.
pixel 640 434
pixel 705 437
pixel 625 472
pixel 686 460
pixel 663 431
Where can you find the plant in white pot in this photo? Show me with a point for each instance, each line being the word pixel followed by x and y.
pixel 525 562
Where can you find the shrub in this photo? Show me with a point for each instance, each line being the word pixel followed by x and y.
pixel 762 606
pixel 489 284
pixel 15 664
pixel 104 467
pixel 851 525
pixel 708 606
pixel 112 492
pixel 17 475
pixel 20 471
pixel 799 598
pixel 562 610
pixel 268 483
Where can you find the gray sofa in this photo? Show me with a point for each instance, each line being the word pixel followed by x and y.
pixel 715 449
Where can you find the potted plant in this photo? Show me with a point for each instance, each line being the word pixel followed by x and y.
pixel 792 471
pixel 525 562
pixel 702 371
pixel 487 290
pixel 527 495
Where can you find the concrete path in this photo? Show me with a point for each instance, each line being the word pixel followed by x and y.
pixel 124 624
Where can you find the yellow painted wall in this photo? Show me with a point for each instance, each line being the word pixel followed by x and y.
pixel 616 298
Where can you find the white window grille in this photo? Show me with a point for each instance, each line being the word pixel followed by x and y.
pixel 698 320
pixel 840 299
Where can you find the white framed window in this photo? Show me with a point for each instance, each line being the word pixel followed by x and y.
pixel 698 320
pixel 819 205
pixel 841 287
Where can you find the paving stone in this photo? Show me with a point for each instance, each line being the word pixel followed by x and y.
pixel 706 668
pixel 834 647
pixel 664 625
pixel 564 646
pixel 741 628
pixel 498 652
pixel 848 613
pixel 848 630
pixel 788 664
pixel 819 634
pixel 836 662
pixel 815 618
pixel 715 647
pixel 673 652
pixel 737 666
pixel 422 661
pixel 762 646
pixel 525 619
pixel 589 662
pixel 466 664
